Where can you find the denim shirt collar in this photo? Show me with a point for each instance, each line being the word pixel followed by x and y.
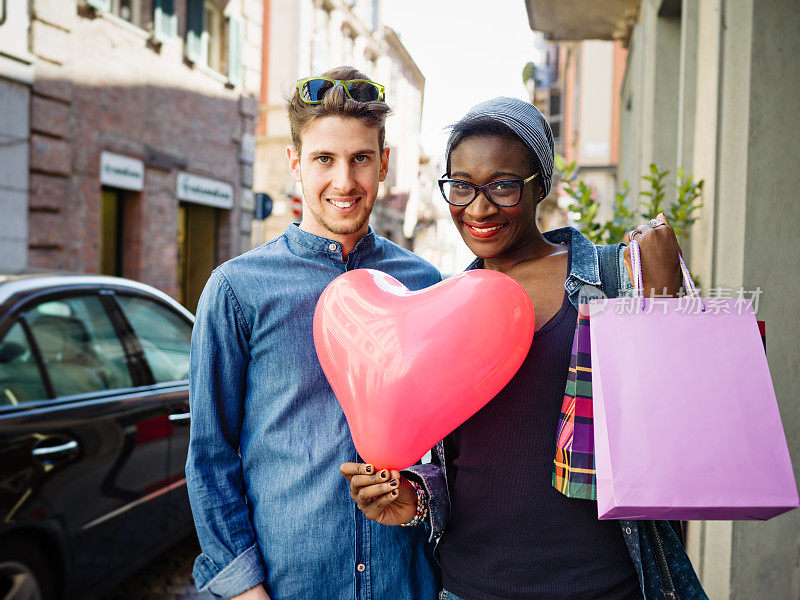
pixel 584 266
pixel 307 243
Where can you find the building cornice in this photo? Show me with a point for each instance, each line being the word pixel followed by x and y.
pixel 395 43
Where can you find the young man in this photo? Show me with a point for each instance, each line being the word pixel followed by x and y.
pixel 272 512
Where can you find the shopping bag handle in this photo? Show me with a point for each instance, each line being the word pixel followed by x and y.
pixel 638 286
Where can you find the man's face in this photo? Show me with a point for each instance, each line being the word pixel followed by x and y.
pixel 340 168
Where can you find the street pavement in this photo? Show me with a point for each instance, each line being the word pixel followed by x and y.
pixel 167 577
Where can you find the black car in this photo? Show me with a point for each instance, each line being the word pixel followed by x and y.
pixel 94 431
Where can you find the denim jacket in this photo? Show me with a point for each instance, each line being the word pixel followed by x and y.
pixel 655 547
pixel 268 435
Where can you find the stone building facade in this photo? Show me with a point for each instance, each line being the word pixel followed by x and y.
pixel 395 216
pixel 142 137
pixel 310 37
pixel 16 76
pixel 713 87
pixel 577 88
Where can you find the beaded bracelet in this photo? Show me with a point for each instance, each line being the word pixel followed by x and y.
pixel 422 507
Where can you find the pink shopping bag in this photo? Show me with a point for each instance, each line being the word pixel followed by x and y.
pixel 686 423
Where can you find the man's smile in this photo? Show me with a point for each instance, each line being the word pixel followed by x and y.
pixel 344 203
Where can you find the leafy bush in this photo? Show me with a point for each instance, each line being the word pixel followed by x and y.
pixel 679 213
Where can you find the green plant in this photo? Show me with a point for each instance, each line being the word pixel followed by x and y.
pixel 584 201
pixel 623 218
pixel 679 213
pixel 652 206
pixel 528 72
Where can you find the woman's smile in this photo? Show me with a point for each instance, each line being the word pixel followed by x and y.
pixel 485 230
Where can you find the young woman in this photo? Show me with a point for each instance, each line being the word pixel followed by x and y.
pixel 502 530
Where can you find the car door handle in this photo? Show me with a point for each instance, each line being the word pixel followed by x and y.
pixel 180 416
pixel 65 448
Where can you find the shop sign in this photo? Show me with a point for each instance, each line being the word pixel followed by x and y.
pixel 121 172
pixel 203 190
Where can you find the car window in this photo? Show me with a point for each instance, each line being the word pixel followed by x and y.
pixel 163 334
pixel 20 377
pixel 79 347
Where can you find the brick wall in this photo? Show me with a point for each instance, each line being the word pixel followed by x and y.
pixel 104 85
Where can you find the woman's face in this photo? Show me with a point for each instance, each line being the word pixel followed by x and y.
pixel 488 230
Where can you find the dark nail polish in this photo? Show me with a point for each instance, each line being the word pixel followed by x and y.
pixel 368 469
pixel 393 483
pixel 384 474
pixel 394 492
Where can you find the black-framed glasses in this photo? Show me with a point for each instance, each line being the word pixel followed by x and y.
pixel 504 192
pixel 313 89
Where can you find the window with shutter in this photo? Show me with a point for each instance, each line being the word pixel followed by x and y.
pixel 214 41
pixel 165 21
pixel 376 15
pixel 215 44
pixel 235 46
pixel 195 26
pixel 320 41
pixel 129 10
pixel 100 4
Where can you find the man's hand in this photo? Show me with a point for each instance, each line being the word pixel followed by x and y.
pixel 661 271
pixel 254 593
pixel 385 497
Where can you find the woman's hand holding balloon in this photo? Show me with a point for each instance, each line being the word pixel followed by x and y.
pixel 385 497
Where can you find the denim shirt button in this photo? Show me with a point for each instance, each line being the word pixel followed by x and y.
pixel 361 567
pixel 628 530
pixel 332 247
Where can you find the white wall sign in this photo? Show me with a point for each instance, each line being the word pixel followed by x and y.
pixel 205 191
pixel 121 171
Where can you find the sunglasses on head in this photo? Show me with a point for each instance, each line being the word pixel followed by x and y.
pixel 313 89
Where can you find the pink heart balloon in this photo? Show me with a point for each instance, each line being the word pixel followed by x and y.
pixel 409 367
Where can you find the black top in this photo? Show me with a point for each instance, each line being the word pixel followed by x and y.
pixel 511 533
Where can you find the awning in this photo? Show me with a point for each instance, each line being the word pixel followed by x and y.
pixel 563 20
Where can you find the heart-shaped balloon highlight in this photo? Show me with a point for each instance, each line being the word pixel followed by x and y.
pixel 409 367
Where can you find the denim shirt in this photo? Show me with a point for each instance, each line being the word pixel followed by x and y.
pixel 268 435
pixel 654 546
